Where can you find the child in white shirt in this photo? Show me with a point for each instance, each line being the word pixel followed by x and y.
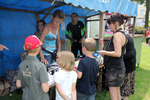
pixel 65 79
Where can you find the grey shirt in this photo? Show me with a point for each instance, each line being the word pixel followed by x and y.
pixel 32 74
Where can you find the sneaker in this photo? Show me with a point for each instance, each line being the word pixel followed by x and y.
pixel 146 44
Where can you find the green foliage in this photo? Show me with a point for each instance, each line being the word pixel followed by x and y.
pixel 140 30
pixel 147 4
pixel 149 7
pixel 140 1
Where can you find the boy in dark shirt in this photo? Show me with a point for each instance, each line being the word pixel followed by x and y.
pixel 87 71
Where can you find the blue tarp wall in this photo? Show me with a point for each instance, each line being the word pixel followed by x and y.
pixel 14 28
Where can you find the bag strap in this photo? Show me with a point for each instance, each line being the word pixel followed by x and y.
pixel 49 51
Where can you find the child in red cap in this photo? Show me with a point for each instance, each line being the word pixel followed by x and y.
pixel 32 74
pixel 147 36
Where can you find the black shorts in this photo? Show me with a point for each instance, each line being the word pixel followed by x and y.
pixel 115 77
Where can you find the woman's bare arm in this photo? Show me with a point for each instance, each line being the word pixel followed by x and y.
pixel 61 92
pixel 58 41
pixel 44 33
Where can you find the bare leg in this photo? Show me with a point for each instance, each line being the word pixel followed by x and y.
pixel 118 94
pixel 125 98
pixel 113 93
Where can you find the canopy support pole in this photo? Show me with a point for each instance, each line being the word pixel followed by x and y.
pixel 86 26
pixel 13 9
pixel 50 9
pixel 133 32
pixel 101 30
pixel 37 17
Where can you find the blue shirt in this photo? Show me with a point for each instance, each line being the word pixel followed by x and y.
pixel 50 42
pixel 89 68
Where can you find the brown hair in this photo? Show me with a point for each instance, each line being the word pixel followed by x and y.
pixel 39 22
pixel 116 18
pixel 59 13
pixel 89 44
pixel 66 60
pixel 74 13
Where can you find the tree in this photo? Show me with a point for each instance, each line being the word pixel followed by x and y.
pixel 147 13
pixel 147 10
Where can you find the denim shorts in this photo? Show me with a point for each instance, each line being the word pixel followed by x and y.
pixel 49 59
pixel 115 77
pixel 85 97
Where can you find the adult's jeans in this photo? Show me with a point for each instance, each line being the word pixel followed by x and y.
pixel 85 97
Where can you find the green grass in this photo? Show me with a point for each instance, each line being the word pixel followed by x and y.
pixel 142 81
pixel 16 95
pixel 142 78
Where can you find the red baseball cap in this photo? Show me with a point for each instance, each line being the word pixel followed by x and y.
pixel 32 42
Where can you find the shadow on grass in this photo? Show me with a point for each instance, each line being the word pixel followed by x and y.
pixel 16 95
pixel 142 86
pixel 101 96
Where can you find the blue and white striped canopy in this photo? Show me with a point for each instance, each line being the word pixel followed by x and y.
pixel 82 7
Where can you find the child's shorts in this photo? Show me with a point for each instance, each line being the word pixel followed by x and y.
pixel 115 77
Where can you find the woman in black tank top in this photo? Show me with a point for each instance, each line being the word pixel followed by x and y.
pixel 113 57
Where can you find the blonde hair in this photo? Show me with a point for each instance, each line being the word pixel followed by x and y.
pixel 66 60
pixel 32 50
pixel 89 44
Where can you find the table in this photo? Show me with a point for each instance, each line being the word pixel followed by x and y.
pixel 51 87
pixel 99 81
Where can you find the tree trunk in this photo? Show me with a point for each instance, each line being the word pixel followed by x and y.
pixel 147 14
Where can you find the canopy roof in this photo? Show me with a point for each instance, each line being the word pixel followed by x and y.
pixel 82 7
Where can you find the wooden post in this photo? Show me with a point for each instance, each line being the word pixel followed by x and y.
pixel 86 26
pixel 101 32
pixel 133 32
pixel 37 17
pixel 101 29
pixel 53 7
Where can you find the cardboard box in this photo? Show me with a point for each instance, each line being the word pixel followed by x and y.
pixel 1 88
pixel 4 88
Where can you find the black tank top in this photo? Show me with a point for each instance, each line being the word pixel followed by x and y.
pixel 114 62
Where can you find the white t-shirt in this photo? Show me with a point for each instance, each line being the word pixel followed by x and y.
pixel 65 79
